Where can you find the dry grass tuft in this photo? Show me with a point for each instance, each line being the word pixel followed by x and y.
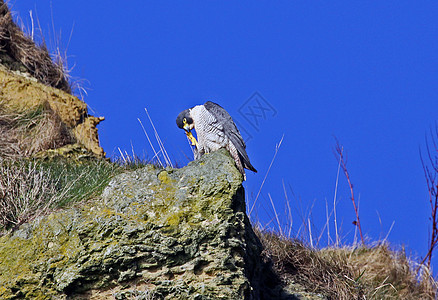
pixel 388 274
pixel 29 189
pixel 347 272
pixel 28 132
pixel 26 192
pixel 18 51
pixel 298 263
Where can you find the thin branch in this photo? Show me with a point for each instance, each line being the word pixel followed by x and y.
pixel 430 173
pixel 343 164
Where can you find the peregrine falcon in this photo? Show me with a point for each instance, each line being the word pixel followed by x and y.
pixel 215 129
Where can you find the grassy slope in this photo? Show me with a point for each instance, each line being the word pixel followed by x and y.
pixel 348 272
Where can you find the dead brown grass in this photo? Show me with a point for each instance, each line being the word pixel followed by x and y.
pixel 29 132
pixel 347 272
pixel 26 192
pixel 18 50
pixel 389 274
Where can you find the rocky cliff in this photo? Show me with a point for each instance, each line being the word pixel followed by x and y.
pixel 157 233
pixel 153 233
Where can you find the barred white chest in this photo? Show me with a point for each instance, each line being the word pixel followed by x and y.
pixel 210 132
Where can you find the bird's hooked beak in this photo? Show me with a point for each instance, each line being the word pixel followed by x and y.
pixel 186 125
pixel 189 134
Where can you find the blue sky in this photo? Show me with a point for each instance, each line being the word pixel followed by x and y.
pixel 365 72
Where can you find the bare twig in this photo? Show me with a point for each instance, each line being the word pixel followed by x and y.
pixel 431 173
pixel 343 165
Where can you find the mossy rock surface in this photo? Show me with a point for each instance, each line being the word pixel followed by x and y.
pixel 153 234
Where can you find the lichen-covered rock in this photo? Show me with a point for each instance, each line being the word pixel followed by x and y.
pixel 73 152
pixel 173 233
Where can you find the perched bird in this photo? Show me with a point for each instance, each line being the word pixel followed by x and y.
pixel 215 129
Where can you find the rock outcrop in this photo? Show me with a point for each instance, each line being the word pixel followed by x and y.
pixel 20 94
pixel 158 233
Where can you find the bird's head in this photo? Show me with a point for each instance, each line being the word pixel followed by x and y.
pixel 185 121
